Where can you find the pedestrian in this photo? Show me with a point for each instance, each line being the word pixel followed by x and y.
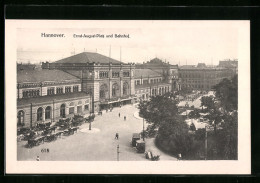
pixel 179 156
pixel 117 136
pixel 119 115
pixel 124 117
pixel 38 158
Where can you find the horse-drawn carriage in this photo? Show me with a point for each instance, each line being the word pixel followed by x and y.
pixel 35 141
pixel 77 120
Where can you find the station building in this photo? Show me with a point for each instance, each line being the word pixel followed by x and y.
pixel 202 77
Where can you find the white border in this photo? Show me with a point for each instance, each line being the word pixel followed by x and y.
pixel 241 166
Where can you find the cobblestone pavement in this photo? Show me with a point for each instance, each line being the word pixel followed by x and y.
pixel 99 144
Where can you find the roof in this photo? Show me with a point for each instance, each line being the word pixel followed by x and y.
pixel 50 98
pixel 88 57
pixel 193 67
pixel 146 73
pixel 43 75
pixel 151 85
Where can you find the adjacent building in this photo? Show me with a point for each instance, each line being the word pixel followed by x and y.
pixel 201 77
pixel 48 95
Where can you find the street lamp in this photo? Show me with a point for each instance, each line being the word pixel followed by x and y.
pixel 143 129
pixel 92 101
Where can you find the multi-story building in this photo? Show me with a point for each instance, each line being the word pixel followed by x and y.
pixel 156 77
pixel 201 77
pixel 109 81
pixel 48 95
pixel 230 64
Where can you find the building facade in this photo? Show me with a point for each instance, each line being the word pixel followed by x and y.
pixel 201 77
pixel 48 95
pixel 109 81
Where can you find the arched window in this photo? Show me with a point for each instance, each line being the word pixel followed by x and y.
pixel 103 91
pixel 115 89
pixel 20 118
pixel 125 88
pixel 48 112
pixel 39 114
pixel 62 111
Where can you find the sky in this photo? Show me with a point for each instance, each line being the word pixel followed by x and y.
pixel 177 42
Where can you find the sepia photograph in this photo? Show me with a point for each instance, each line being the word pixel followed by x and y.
pixel 171 93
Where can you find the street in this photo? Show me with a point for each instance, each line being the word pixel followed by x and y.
pixel 98 144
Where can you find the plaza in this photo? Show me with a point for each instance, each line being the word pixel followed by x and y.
pixel 97 144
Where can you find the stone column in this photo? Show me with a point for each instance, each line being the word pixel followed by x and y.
pixel 43 114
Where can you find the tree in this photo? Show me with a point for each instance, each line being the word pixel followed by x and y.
pixel 158 110
pixel 171 131
pixel 208 102
pixel 227 93
pixel 195 114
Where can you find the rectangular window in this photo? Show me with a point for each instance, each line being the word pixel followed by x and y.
pixel 115 74
pixel 75 88
pixel 71 110
pixel 50 91
pixel 103 74
pixel 31 93
pixel 86 108
pixel 59 90
pixel 79 109
pixel 67 89
pixel 126 74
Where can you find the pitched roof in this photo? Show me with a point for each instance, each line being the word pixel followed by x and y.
pixel 88 57
pixel 145 73
pixel 50 98
pixel 43 75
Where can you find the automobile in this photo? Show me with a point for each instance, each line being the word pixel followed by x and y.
pixel 135 137
pixel 140 146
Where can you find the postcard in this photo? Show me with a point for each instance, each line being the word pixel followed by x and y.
pixel 127 97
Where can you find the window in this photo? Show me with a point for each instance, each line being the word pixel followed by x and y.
pixel 125 88
pixel 20 118
pixel 115 74
pixel 59 90
pixel 126 74
pixel 103 74
pixel 31 93
pixel 71 110
pixel 86 107
pixel 50 91
pixel 103 91
pixel 79 109
pixel 62 111
pixel 67 89
pixel 138 82
pixel 39 114
pixel 145 81
pixel 115 89
pixel 75 88
pixel 48 112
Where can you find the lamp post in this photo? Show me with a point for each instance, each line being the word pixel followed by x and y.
pixel 92 101
pixel 143 129
pixel 206 143
pixel 117 152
